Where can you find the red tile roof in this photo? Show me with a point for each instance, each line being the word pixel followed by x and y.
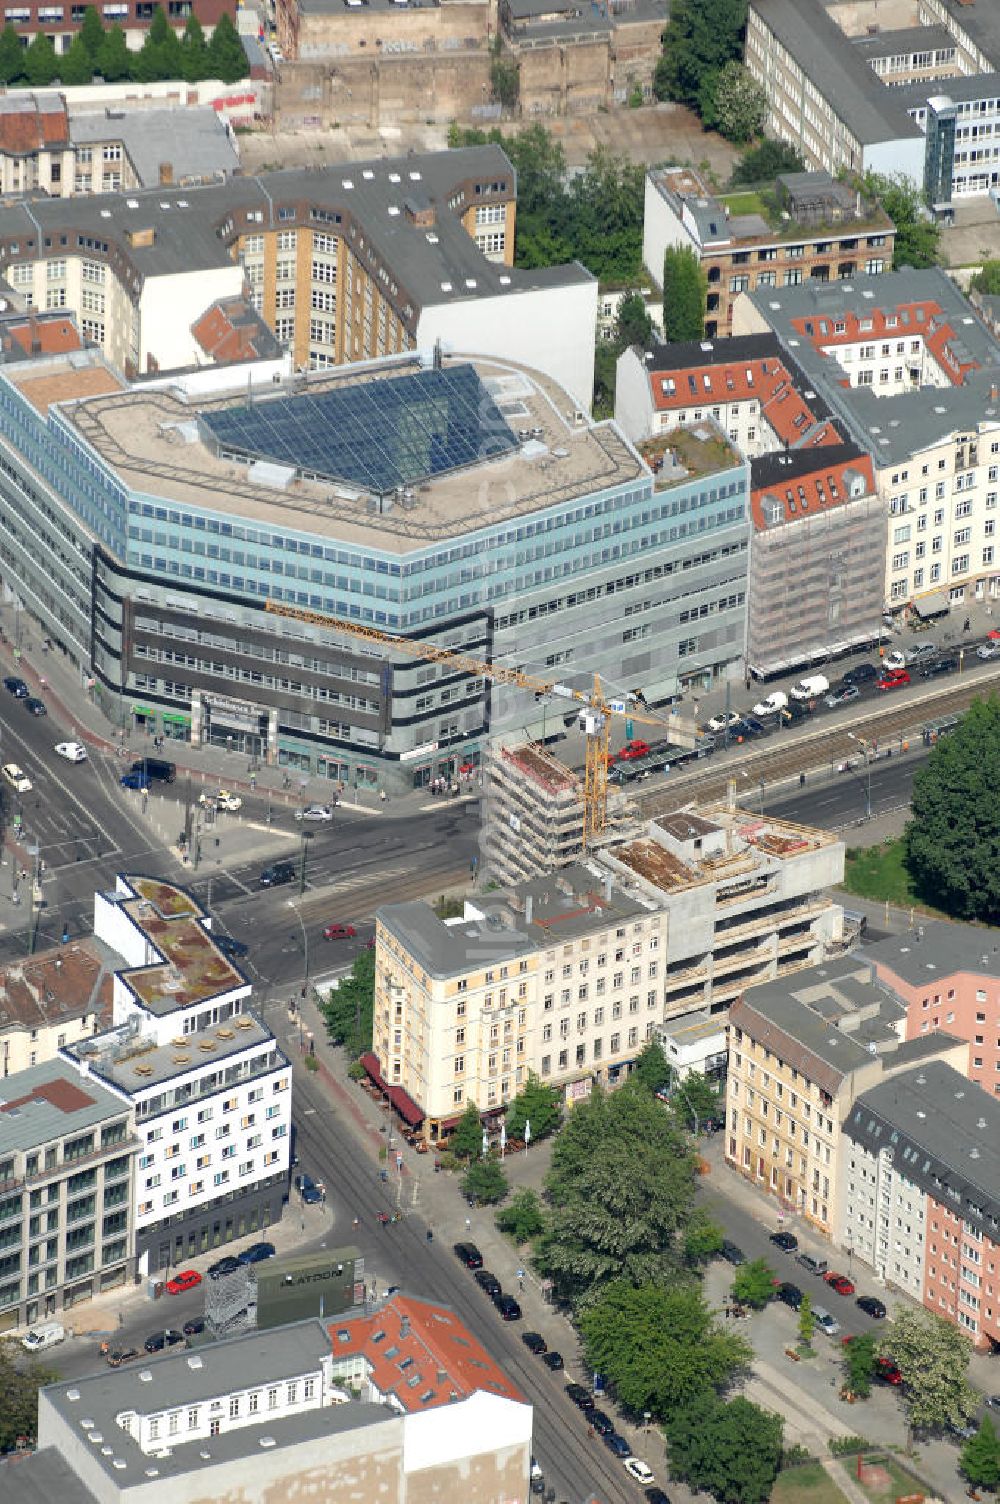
pixel 909 320
pixel 421 1354
pixel 23 132
pixel 767 381
pixel 41 336
pixel 806 493
pixel 232 330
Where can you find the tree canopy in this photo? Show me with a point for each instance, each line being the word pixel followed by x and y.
pixel 701 37
pixel 980 1460
pixel 917 234
pixel 732 1450
pixel 522 1218
pixel 40 62
pixel 753 1284
pixel 467 1139
pixel 633 326
pixel 736 106
pixel 933 1357
pixel 226 58
pixel 651 1069
pixel 859 1364
pixel 536 1103
pixel 683 294
pixel 987 279
pixel 953 839
pixel 19 1385
pixel 659 1348
pixel 763 163
pixel 621 1191
pixel 348 1009
pixel 484 1182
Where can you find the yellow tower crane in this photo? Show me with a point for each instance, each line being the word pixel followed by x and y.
pixel 596 710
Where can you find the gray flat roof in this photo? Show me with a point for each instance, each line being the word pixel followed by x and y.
pixel 963 87
pixel 830 61
pixel 49 1101
pixel 943 948
pixel 194 142
pixel 41 1478
pixel 124 1061
pixel 980 22
pixel 944 1133
pixel 903 40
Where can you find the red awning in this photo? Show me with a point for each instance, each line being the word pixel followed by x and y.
pixel 404 1105
pixel 447 1124
pixel 371 1068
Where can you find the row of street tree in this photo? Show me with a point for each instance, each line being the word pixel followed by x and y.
pixel 96 52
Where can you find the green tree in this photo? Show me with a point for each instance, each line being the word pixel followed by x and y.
pixel 738 107
pixel 701 37
pixel 540 164
pixel 348 1008
pixel 859 1365
pixel 77 66
pixel 41 66
pixel 659 1347
pixel 753 1284
pixel 807 1321
pixel 933 1357
pixel 161 56
pixel 694 1099
pixel 633 326
pixel 523 1219
pixel 987 279
pixel 505 77
pixel 91 34
pixel 980 1461
pixel 467 1139
pixel 917 234
pixel 484 1182
pixel 194 52
pixel 226 57
pixel 621 1191
pixel 19 1385
pixel 114 61
pixel 763 163
pixel 683 294
pixel 733 1450
pixel 536 1103
pixel 954 836
pixel 11 56
pixel 651 1069
pixel 703 1239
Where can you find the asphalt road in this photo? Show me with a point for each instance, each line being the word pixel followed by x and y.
pixel 844 799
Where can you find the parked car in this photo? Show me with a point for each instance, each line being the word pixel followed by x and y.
pixel 508 1308
pixel 277 875
pixel 487 1281
pixel 17 778
pixel 886 1370
pixel 826 1323
pixel 156 769
pixel 772 703
pixel 318 814
pixel 786 1241
pixel 655 1496
pixel 310 1190
pixel 228 1265
pixel 339 932
pixel 939 666
pixel 602 1424
pixel 257 1253
pixel 469 1255
pixel 861 673
pixel 535 1343
pixel 796 710
pixel 159 1340
pixel 617 1445
pixel 895 659
pixel 121 1355
pixel 634 749
pixel 35 706
pixel 553 1360
pixel 47 1334
pixel 185 1280
pixel 722 720
pixel 731 1253
pixel 580 1396
pixel 812 1265
pixel 871 1307
pixel 811 687
pixel 922 652
pixel 964 1430
pixel 988 650
pixel 789 1294
pixel 192 1328
pixel 893 678
pixel 72 751
pixel 842 695
pixel 235 949
pixel 16 687
pixel 754 726
pixel 134 780
pixel 639 1470
pixel 839 1282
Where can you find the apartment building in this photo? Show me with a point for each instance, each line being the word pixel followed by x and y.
pixel 912 375
pixel 801 1052
pixel 67 1163
pixel 52 998
pixel 208 1088
pixel 303 1409
pixel 62 22
pixel 807 226
pixel 569 974
pixel 920 1196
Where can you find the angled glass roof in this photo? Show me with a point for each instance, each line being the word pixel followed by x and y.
pixel 393 431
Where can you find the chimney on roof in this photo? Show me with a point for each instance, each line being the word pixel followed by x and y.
pixel 166 174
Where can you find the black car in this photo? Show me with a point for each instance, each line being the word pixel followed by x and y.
pixel 35 706
pixel 487 1281
pixel 791 1295
pixel 939 666
pixel 192 1328
pixel 256 1253
pixel 731 1253
pixel 277 875
pixel 310 1192
pixel 755 726
pixel 602 1424
pixel 861 674
pixel 159 1340
pixel 655 1496
pixel 617 1445
pixel 553 1360
pixel 580 1396
pixel 16 687
pixel 236 949
pixel 469 1255
pixel 871 1307
pixel 786 1241
pixel 508 1308
pixel 535 1343
pixel 225 1266
pixel 795 710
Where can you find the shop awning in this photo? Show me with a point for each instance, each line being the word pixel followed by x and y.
pixel 404 1105
pixel 447 1124
pixel 176 717
pixel 936 603
pixel 370 1065
pixel 142 710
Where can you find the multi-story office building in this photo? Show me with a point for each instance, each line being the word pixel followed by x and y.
pixel 209 1090
pixel 52 998
pixel 569 974
pixel 920 1194
pixel 67 1224
pixel 913 376
pixel 815 228
pixel 800 1054
pixel 463 503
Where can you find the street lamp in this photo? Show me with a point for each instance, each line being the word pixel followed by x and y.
pixel 305 957
pixel 647 1416
pixel 866 749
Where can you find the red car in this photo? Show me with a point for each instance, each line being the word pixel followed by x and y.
pixel 339 932
pixel 839 1282
pixel 186 1280
pixel 634 749
pixel 886 1370
pixel 893 678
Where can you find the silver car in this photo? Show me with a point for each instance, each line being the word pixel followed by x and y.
pixel 315 812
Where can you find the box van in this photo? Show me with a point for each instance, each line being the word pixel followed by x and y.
pixel 811 686
pixel 156 769
pixel 41 1337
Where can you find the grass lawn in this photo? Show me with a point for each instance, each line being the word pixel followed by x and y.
pixel 879 872
pixel 744 203
pixel 809 1484
pixel 899 1482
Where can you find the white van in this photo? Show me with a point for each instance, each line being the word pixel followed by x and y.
pixel 811 686
pixel 772 703
pixel 40 1337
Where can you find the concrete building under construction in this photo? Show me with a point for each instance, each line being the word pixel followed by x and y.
pixel 534 813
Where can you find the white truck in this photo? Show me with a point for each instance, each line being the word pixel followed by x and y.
pixel 38 1338
pixel 772 703
pixel 810 687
